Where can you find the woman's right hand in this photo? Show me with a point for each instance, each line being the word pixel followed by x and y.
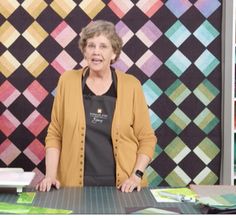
pixel 47 183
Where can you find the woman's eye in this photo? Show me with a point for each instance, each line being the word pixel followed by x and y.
pixel 103 46
pixel 91 46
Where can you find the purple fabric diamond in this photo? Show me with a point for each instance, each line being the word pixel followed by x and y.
pixel 207 7
pixel 178 7
pixel 149 33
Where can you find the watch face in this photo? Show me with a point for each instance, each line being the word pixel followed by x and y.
pixel 139 173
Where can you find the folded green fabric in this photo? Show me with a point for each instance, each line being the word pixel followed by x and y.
pixel 26 209
pixel 226 201
pixel 26 197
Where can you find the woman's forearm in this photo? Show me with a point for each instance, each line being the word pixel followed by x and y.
pixel 52 160
pixel 141 162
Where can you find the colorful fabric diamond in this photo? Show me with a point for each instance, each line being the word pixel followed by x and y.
pixel 177 33
pixel 8 123
pixel 7 7
pixel 206 33
pixel 35 64
pixel 124 32
pixel 153 178
pixel 35 123
pixel 155 120
pixel 34 8
pixel 8 63
pixel 35 34
pixel 8 152
pixel 207 7
pixel 92 7
pixel 151 91
pixel 63 34
pixel 177 150
pixel 178 178
pixel 207 62
pixel 35 151
pixel 8 93
pixel 149 33
pixel 63 7
pixel 206 121
pixel 63 62
pixel 8 34
pixel 158 150
pixel 206 92
pixel 35 93
pixel 177 92
pixel 123 63
pixel 149 63
pixel 120 7
pixel 178 121
pixel 149 7
pixel 178 7
pixel 178 63
pixel 205 177
pixel 206 150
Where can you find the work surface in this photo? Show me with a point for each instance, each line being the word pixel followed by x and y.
pixel 100 200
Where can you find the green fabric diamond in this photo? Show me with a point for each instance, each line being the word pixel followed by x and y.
pixel 153 178
pixel 206 177
pixel 206 92
pixel 177 92
pixel 178 121
pixel 206 121
pixel 206 150
pixel 177 150
pixel 177 178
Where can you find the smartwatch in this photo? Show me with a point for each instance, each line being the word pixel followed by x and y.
pixel 139 173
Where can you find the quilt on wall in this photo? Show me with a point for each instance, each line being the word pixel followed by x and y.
pixel 173 47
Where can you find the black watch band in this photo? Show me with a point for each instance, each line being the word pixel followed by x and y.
pixel 139 173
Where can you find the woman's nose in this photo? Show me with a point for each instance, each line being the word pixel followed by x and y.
pixel 96 50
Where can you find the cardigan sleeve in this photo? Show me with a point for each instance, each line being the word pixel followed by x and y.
pixel 142 125
pixel 54 133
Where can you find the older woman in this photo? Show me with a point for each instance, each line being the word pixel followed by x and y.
pixel 100 132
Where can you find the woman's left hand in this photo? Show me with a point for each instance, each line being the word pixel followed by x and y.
pixel 130 184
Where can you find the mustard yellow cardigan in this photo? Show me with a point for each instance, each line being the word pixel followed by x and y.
pixel 132 133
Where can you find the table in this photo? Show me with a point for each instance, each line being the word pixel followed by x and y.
pixel 99 200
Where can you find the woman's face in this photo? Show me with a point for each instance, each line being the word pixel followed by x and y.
pixel 98 53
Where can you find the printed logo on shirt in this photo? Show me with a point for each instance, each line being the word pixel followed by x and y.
pixel 98 117
pixel 99 111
